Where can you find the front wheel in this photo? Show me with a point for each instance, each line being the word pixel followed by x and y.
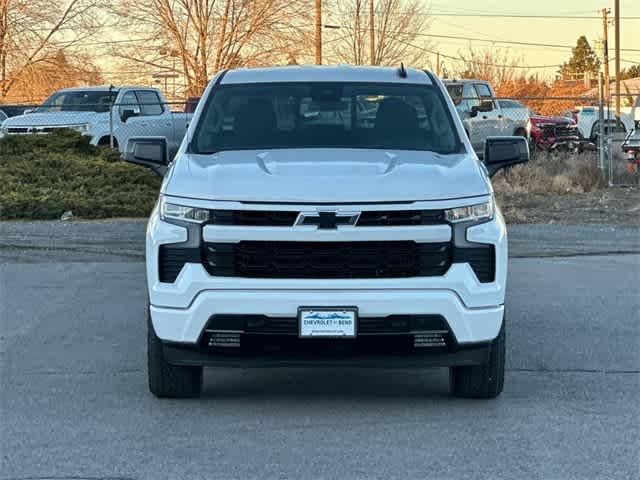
pixel 166 380
pixel 482 381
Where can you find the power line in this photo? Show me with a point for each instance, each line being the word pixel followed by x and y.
pixel 515 15
pixel 460 59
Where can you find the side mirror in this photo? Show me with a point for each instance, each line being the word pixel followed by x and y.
pixel 127 113
pixel 485 106
pixel 28 110
pixel 150 152
pixel 502 152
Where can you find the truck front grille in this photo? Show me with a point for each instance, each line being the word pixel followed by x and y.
pixel 330 260
pixel 372 218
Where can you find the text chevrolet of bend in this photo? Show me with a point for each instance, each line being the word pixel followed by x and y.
pixel 326 216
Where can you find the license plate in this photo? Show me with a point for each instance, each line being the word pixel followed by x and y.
pixel 327 322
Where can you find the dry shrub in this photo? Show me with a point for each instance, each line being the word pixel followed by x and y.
pixel 557 173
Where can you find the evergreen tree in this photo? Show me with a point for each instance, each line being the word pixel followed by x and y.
pixel 583 59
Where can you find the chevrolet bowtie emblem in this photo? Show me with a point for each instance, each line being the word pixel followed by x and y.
pixel 327 220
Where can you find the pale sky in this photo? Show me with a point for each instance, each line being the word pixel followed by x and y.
pixel 536 30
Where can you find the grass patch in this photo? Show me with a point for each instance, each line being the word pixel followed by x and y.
pixel 45 175
pixel 557 174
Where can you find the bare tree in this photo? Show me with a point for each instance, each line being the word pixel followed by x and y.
pixel 208 35
pixel 34 33
pixel 494 65
pixel 398 28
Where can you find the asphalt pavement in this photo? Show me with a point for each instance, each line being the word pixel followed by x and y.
pixel 75 404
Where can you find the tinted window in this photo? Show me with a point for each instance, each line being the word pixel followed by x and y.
pixel 470 95
pixel 129 101
pixel 325 115
pixel 455 92
pixel 3 116
pixel 80 101
pixel 150 102
pixel 510 104
pixel 483 90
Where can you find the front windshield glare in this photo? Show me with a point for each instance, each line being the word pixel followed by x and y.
pixel 325 115
pixel 80 101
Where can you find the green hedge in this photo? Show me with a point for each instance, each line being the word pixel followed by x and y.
pixel 42 176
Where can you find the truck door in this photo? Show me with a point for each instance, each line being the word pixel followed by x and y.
pixel 493 122
pixel 156 119
pixel 474 125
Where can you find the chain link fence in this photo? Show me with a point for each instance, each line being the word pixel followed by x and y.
pixel 584 128
pixel 96 114
pixel 621 140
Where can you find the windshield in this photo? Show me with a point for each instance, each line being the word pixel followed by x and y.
pixel 455 91
pixel 325 115
pixel 79 101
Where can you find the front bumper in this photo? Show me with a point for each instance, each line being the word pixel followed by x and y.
pixel 195 357
pixel 472 309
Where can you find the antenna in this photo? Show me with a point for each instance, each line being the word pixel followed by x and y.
pixel 402 72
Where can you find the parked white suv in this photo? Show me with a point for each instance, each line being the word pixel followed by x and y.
pixel 369 238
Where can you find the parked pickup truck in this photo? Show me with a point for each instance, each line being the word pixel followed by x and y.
pixel 136 111
pixel 552 132
pixel 361 236
pixel 481 114
pixel 589 119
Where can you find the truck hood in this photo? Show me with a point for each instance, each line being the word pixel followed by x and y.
pixel 54 119
pixel 551 119
pixel 326 176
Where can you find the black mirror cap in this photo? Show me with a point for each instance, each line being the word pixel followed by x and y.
pixel 485 106
pixel 502 152
pixel 149 151
pixel 127 114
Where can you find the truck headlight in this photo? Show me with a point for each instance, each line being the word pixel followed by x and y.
pixel 471 213
pixel 173 211
pixel 81 128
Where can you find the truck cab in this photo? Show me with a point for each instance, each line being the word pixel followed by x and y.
pixel 481 114
pixel 326 216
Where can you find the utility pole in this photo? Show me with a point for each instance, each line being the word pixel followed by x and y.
pixel 438 63
pixel 318 32
pixel 372 34
pixel 605 20
pixel 617 17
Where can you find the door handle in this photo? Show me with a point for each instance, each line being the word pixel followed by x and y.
pixel 144 124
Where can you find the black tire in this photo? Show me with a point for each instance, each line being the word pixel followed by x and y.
pixel 483 381
pixel 169 381
pixel 106 142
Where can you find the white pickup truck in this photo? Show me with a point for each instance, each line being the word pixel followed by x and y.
pixel 127 111
pixel 481 114
pixel 588 119
pixel 326 216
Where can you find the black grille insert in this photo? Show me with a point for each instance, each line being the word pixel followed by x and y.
pixel 318 260
pixel 253 218
pixel 482 260
pixel 171 259
pixel 383 218
pixel 261 324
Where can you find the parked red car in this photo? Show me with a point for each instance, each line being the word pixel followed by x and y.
pixel 554 132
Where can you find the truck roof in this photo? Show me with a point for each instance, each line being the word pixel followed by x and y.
pixel 99 88
pixel 324 73
pixel 463 80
